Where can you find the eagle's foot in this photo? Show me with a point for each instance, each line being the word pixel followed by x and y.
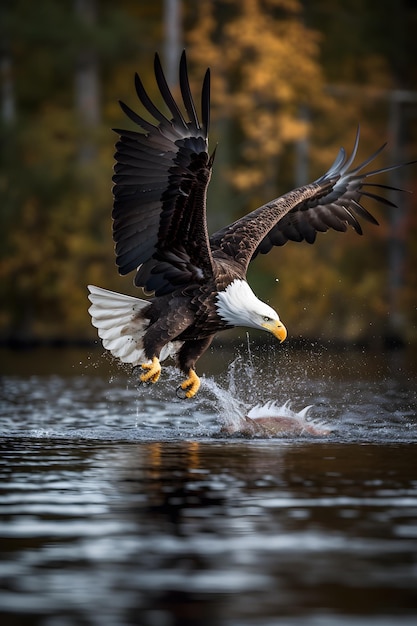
pixel 154 371
pixel 189 387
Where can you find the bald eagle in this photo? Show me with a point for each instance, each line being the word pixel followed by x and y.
pixel 198 281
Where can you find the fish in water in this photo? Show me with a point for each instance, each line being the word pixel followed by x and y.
pixel 273 420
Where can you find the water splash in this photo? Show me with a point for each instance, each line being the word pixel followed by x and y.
pixel 234 405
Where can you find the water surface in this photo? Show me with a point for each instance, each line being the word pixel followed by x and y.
pixel 121 504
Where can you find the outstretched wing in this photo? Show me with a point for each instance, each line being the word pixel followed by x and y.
pixel 160 182
pixel 332 201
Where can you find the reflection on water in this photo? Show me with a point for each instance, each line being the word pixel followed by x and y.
pixel 123 505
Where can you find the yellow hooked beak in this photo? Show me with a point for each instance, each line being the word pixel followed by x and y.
pixel 277 328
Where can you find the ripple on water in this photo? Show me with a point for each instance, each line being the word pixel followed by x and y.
pixel 248 530
pixel 350 406
pixel 121 504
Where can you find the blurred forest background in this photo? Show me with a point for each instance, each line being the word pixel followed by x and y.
pixel 291 80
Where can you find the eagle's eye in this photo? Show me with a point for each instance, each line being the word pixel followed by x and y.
pixel 267 319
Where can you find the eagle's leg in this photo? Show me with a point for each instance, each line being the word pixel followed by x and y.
pixel 191 385
pixel 153 371
pixel 190 352
pixel 160 332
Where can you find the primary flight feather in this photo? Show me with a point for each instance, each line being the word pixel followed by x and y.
pixel 197 281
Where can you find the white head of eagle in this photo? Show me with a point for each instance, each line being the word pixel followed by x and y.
pixel 237 305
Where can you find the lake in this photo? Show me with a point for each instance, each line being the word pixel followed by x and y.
pixel 122 504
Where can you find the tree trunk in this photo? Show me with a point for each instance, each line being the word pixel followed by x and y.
pixel 173 37
pixel 87 98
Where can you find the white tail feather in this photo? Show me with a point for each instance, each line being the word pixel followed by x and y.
pixel 120 325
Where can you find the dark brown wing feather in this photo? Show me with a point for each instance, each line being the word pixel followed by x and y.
pixel 332 201
pixel 160 183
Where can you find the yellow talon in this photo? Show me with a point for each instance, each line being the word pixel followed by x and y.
pixel 154 371
pixel 192 384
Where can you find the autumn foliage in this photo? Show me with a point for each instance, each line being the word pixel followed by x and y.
pixel 290 83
